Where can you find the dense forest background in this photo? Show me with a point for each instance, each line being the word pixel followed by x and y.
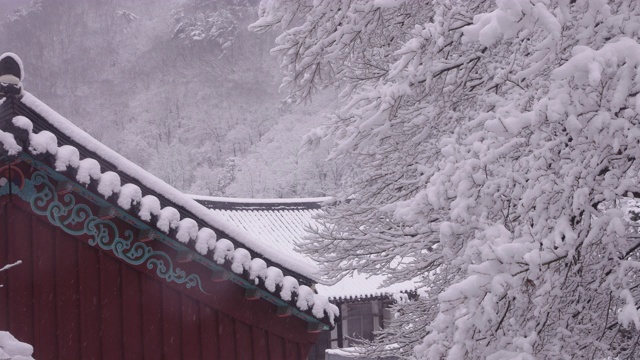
pixel 180 87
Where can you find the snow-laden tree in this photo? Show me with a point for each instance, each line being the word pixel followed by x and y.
pixel 496 142
pixel 277 168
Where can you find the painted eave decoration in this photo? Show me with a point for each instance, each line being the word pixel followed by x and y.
pixel 82 187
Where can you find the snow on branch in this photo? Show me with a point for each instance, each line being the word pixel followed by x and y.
pixel 495 144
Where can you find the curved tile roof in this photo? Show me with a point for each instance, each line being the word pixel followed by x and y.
pixel 282 224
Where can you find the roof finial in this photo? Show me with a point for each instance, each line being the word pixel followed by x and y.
pixel 11 75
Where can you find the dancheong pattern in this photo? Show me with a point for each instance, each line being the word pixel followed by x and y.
pixel 78 219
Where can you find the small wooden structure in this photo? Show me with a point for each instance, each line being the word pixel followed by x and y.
pixel 118 265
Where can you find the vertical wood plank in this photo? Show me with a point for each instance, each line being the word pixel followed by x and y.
pixel 226 335
pixel 45 343
pixel 131 313
pixel 111 307
pixel 90 300
pixel 151 318
pixel 209 332
pixel 20 278
pixel 260 344
pixel 190 328
pixel 244 343
pixel 171 321
pixel 291 350
pixel 303 350
pixel 276 347
pixel 5 209
pixel 67 297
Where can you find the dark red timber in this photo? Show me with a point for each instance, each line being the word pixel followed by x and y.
pixel 171 321
pixel 151 309
pixel 292 352
pixel 131 314
pixel 209 332
pixel 190 328
pixel 226 334
pixel 111 331
pixel 90 309
pixel 44 286
pixel 243 341
pixel 276 347
pixel 67 295
pixel 4 233
pixel 260 344
pixel 20 281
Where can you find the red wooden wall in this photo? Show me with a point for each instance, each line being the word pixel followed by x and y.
pixel 74 301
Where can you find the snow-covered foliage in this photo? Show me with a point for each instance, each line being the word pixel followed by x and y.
pixel 180 117
pixel 215 22
pixel 276 167
pixel 493 143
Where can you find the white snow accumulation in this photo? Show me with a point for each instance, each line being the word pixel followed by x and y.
pixel 364 285
pixel 149 205
pixel 204 239
pixel 109 184
pixel 9 143
pixel 277 230
pixel 12 349
pixel 17 59
pixel 129 194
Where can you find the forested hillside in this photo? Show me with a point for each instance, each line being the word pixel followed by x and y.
pixel 181 87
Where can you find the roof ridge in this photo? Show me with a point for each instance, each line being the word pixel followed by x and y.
pixel 319 200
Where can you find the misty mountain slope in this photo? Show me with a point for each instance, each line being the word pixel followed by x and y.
pixel 180 87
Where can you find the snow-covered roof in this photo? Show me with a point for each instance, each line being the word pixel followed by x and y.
pixel 278 224
pixel 359 287
pixel 173 212
pixel 282 224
